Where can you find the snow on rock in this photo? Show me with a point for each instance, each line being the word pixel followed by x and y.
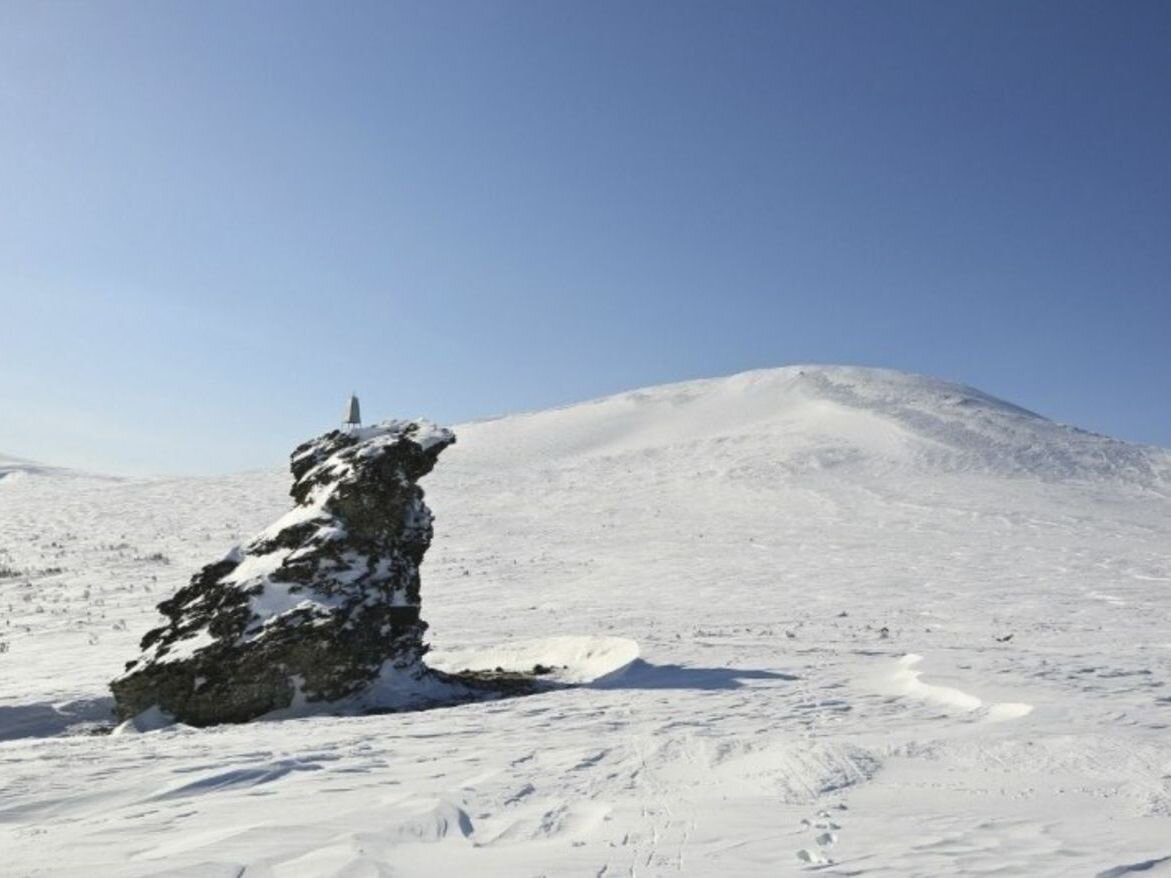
pixel 316 607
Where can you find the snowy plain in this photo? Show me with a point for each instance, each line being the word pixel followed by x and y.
pixel 818 620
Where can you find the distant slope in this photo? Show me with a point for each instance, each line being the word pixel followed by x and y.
pixel 15 467
pixel 10 466
pixel 813 418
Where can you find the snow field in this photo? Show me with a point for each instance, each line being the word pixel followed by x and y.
pixel 735 574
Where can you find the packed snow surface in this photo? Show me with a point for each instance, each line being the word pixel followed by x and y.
pixel 843 621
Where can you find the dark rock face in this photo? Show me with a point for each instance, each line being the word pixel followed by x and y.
pixel 317 606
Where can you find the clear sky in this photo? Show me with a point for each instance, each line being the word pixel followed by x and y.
pixel 219 218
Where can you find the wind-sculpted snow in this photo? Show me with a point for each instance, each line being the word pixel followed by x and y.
pixel 805 631
pixel 566 659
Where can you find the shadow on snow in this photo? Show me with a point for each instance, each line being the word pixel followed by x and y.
pixel 46 719
pixel 95 715
pixel 641 674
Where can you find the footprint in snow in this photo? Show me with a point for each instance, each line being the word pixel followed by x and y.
pixel 813 857
pixel 825 830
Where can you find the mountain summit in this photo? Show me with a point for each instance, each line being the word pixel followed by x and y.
pixel 807 419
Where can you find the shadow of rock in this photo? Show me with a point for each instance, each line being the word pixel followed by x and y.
pixel 640 674
pixel 46 719
pixel 1132 868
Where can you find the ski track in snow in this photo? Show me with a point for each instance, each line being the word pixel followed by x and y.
pixel 785 600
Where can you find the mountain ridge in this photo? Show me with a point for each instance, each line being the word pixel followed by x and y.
pixel 812 417
pixel 830 416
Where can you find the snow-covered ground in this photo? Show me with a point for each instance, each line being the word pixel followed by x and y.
pixel 840 620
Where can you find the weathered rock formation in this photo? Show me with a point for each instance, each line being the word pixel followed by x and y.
pixel 317 607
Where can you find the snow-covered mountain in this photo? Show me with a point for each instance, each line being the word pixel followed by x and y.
pixel 804 418
pixel 845 620
pixel 14 469
pixel 18 467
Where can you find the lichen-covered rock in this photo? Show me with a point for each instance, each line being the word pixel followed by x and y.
pixel 317 606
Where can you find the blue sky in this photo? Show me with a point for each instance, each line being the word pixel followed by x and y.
pixel 219 218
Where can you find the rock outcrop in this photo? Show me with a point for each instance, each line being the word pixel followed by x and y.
pixel 317 607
